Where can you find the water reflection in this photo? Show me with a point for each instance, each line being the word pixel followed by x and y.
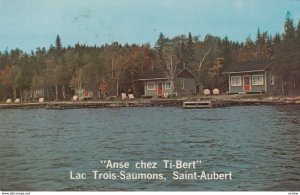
pixel 258 144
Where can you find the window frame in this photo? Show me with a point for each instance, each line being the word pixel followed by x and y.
pixel 151 88
pixel 169 85
pixel 261 81
pixel 236 84
pixel 272 79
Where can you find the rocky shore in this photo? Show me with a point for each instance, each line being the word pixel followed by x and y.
pixel 229 99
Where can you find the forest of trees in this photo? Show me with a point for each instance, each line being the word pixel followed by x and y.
pixel 111 69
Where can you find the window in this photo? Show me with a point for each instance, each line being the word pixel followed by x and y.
pixel 150 85
pixel 236 81
pixel 272 79
pixel 182 84
pixel 167 85
pixel 257 79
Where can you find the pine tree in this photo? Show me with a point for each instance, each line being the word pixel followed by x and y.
pixel 298 35
pixel 297 56
pixel 160 45
pixel 259 43
pixel 190 49
pixel 226 50
pixel 263 45
pixel 181 52
pixel 270 51
pixel 58 43
pixel 286 58
pixel 258 36
pixel 289 30
pixel 277 39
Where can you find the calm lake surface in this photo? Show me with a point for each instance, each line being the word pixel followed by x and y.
pixel 260 145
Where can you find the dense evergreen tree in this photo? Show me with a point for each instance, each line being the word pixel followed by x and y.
pixel 287 58
pixel 58 43
pixel 189 53
pixel 160 44
pixel 57 72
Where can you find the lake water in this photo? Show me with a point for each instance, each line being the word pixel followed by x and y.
pixel 259 144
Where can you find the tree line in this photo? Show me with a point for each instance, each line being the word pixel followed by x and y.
pixel 110 69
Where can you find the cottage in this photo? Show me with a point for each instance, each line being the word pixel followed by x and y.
pixel 157 83
pixel 83 94
pixel 250 77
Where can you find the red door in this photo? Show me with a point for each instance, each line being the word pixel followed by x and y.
pixel 159 88
pixel 246 83
pixel 86 93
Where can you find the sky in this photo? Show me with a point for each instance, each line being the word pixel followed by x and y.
pixel 29 24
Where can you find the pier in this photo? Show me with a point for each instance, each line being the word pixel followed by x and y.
pixel 197 104
pixel 203 103
pixel 206 103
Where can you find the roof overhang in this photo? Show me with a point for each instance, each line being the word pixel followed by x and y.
pixel 151 79
pixel 243 71
pixel 248 71
pixel 186 70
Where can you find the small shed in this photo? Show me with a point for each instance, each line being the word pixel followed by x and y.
pixel 185 82
pixel 250 77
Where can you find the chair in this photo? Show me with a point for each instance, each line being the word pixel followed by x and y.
pixel 206 92
pixel 216 91
pixel 124 96
pixel 75 98
pixel 130 96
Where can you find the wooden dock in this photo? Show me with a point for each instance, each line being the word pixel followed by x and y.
pixel 197 104
pixel 206 103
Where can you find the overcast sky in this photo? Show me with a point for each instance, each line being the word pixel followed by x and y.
pixel 28 24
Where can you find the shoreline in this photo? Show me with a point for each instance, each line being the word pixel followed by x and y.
pixel 225 99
